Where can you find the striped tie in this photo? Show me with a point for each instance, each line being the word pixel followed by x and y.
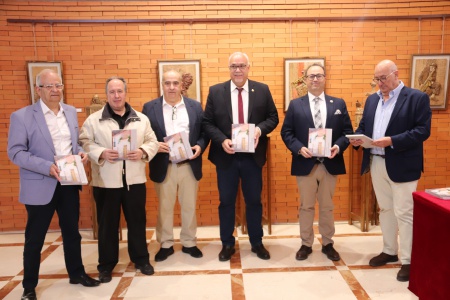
pixel 317 114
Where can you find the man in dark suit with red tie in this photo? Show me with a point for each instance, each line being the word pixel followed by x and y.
pixel 316 176
pixel 239 101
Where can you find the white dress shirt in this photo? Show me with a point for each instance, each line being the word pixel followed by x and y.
pixel 59 129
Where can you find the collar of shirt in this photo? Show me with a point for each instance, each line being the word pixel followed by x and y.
pixel 394 92
pixel 176 105
pixel 312 97
pixel 47 110
pixel 233 87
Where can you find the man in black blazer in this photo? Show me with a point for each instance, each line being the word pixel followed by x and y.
pixel 222 110
pixel 316 177
pixel 398 119
pixel 170 114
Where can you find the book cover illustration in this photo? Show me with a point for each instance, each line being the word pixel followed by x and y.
pixel 71 170
pixel 442 193
pixel 124 140
pixel 319 141
pixel 243 137
pixel 180 149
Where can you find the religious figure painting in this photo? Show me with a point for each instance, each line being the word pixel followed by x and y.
pixel 294 80
pixel 33 68
pixel 190 76
pixel 430 74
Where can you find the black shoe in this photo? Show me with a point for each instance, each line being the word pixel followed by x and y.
pixel 193 251
pixel 303 252
pixel 226 253
pixel 403 274
pixel 85 280
pixel 382 259
pixel 146 268
pixel 29 294
pixel 163 253
pixel 261 252
pixel 105 276
pixel 330 252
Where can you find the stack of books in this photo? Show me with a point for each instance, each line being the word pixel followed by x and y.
pixel 441 193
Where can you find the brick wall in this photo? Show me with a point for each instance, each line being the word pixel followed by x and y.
pixel 92 52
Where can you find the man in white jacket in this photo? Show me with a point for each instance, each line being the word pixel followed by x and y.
pixel 119 183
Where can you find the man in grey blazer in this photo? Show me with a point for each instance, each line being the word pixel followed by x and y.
pixel 398 119
pixel 38 133
pixel 316 177
pixel 222 110
pixel 170 114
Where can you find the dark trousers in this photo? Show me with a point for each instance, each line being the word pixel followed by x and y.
pixel 244 168
pixel 132 201
pixel 66 203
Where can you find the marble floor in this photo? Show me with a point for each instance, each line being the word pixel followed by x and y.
pixel 244 277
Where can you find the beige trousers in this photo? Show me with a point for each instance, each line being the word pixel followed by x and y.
pixel 318 184
pixel 179 179
pixel 396 209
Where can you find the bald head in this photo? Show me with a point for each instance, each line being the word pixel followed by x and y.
pixel 387 65
pixel 386 76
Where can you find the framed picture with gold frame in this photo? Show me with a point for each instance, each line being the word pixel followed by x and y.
pixel 430 74
pixel 190 73
pixel 33 68
pixel 294 84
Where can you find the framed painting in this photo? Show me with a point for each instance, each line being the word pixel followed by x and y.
pixel 190 73
pixel 294 83
pixel 33 68
pixel 429 74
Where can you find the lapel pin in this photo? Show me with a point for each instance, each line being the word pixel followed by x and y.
pixel 253 90
pixel 331 101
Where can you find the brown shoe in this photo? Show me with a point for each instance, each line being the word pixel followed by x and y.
pixel 330 252
pixel 382 259
pixel 403 274
pixel 303 253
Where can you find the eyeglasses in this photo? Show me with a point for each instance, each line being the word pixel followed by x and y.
pixel 169 83
pixel 382 78
pixel 235 67
pixel 318 76
pixel 49 87
pixel 174 112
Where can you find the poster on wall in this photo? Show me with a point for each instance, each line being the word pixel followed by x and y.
pixel 429 74
pixel 33 68
pixel 294 80
pixel 190 76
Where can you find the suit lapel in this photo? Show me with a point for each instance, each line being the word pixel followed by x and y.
pixel 227 99
pixel 72 125
pixel 307 111
pixel 400 101
pixel 191 115
pixel 251 98
pixel 330 109
pixel 159 115
pixel 42 124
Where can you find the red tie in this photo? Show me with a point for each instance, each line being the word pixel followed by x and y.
pixel 240 106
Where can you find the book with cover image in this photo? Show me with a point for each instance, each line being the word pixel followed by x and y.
pixel 243 137
pixel 71 170
pixel 319 141
pixel 180 149
pixel 442 193
pixel 124 140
